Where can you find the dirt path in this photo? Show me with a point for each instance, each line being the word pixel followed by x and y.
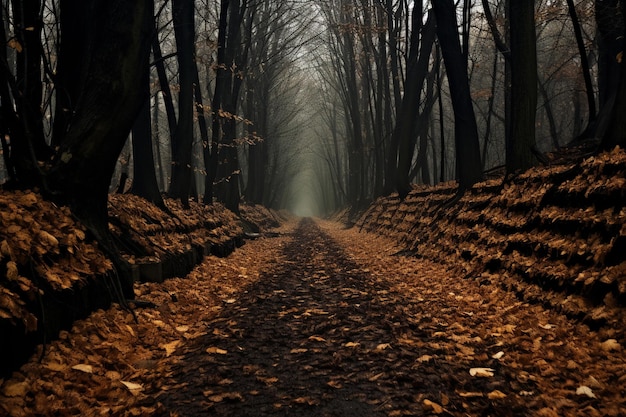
pixel 324 321
pixel 328 334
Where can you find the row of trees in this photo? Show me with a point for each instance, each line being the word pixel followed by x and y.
pixel 262 99
pixel 423 91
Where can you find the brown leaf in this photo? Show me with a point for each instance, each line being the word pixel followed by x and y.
pixel 216 351
pixel 432 406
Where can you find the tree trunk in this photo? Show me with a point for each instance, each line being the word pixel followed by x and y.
pixel 180 187
pixel 407 119
pixel 465 128
pixel 520 154
pixel 114 38
pixel 28 143
pixel 144 173
pixel 616 133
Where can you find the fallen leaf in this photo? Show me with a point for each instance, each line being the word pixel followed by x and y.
pixel 57 367
pixel 470 394
pixel 424 358
pixel 496 395
pixel 375 377
pixel 132 387
pixel 305 400
pixel 432 406
pixel 383 346
pixel 15 389
pixel 83 368
pixel 482 372
pixel 267 380
pixel 182 329
pixel 170 347
pixel 334 384
pixel 352 344
pixel 215 350
pixel 299 350
pixel 611 345
pixel 585 390
pixel 316 339
pixel 498 355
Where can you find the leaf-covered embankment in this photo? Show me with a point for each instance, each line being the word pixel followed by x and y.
pixel 554 235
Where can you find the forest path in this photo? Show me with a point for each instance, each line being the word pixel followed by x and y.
pixel 341 326
pixel 323 321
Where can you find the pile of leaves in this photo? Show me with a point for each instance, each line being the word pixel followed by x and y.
pixel 114 362
pixel 148 233
pixel 42 249
pixel 554 235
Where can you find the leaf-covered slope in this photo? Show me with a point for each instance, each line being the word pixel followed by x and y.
pixel 52 272
pixel 554 235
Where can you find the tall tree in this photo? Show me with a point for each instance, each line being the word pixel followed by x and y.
pixel 184 28
pixel 407 119
pixel 469 167
pixel 523 43
pixel 616 133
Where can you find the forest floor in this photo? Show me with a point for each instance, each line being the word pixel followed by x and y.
pixel 320 320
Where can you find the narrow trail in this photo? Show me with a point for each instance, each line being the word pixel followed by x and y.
pixel 323 321
pixel 322 334
pixel 311 338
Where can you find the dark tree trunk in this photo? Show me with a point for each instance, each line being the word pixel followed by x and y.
pixel 616 132
pixel 584 62
pixel 164 86
pixel 465 128
pixel 28 142
pixel 222 83
pixel 144 173
pixel 182 169
pixel 407 119
pixel 520 154
pixel 108 54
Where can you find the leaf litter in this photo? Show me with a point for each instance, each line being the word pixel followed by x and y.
pixel 398 336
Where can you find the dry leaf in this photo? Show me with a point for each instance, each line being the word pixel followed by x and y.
pixel 470 394
pixel 482 372
pixel 15 389
pixel 383 346
pixel 496 395
pixel 498 355
pixel 432 406
pixel 352 344
pixel 316 339
pixel 12 274
pixel 57 367
pixel 170 347
pixel 132 387
pixel 611 345
pixel 424 358
pixel 216 350
pixel 300 350
pixel 83 368
pixel 585 390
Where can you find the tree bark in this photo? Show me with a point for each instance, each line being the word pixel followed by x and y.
pixel 184 28
pixel 616 133
pixel 465 128
pixel 520 154
pixel 407 119
pixel 108 58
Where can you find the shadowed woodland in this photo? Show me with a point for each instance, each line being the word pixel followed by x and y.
pixel 166 165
